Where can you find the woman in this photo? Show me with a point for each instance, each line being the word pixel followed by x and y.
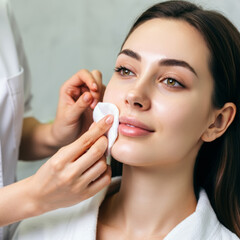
pixel 176 85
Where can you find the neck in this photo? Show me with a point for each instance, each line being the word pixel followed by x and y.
pixel 153 201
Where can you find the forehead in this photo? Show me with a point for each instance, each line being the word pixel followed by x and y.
pixel 170 38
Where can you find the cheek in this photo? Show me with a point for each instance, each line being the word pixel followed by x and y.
pixel 180 127
pixel 182 117
pixel 115 93
pixel 112 92
pixel 107 94
pixel 182 123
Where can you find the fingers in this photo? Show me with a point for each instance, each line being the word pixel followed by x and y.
pixel 95 171
pixel 83 102
pixel 93 183
pixel 81 145
pixel 98 77
pixel 101 182
pixel 92 81
pixel 95 152
pixel 82 90
pixel 80 78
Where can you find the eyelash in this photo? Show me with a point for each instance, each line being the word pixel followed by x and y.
pixel 175 82
pixel 121 70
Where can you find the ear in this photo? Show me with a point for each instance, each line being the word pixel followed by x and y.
pixel 222 119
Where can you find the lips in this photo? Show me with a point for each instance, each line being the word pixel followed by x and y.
pixel 131 127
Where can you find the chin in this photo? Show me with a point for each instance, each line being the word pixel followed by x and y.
pixel 129 155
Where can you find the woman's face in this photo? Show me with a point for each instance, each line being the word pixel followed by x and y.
pixel 162 87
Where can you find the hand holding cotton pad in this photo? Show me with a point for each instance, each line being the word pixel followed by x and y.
pixel 100 111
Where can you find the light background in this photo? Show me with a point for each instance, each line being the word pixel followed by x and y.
pixel 62 37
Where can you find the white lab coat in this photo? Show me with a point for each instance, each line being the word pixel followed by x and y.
pixel 79 222
pixel 14 94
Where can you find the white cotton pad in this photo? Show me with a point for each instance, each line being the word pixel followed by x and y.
pixel 100 111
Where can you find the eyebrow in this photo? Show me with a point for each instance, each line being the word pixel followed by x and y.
pixel 175 62
pixel 163 62
pixel 131 53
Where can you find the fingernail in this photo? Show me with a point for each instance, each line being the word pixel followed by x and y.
pixel 94 103
pixel 95 86
pixel 109 120
pixel 86 98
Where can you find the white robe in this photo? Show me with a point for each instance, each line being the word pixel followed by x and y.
pixel 79 222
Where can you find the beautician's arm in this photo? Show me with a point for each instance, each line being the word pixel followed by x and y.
pixel 78 96
pixel 75 173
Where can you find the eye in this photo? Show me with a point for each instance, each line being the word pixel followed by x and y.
pixel 171 82
pixel 124 71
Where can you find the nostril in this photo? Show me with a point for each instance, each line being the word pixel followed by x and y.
pixel 138 104
pixel 137 101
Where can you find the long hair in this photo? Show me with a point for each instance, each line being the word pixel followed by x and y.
pixel 217 167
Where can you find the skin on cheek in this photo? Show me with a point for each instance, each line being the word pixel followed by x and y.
pixel 110 92
pixel 115 93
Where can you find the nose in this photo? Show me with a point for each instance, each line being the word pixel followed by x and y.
pixel 138 98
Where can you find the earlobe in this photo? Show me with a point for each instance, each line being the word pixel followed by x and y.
pixel 223 118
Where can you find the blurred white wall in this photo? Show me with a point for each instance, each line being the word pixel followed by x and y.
pixel 61 37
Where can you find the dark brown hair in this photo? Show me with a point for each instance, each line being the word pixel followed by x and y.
pixel 217 167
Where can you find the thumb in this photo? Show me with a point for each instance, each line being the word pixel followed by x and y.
pixel 83 102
